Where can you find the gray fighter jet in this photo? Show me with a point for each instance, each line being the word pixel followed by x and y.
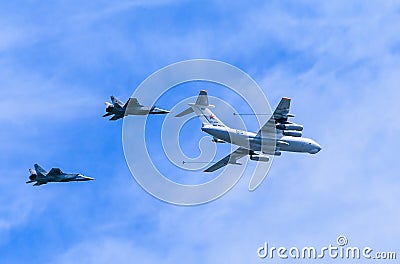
pixel 131 107
pixel 40 176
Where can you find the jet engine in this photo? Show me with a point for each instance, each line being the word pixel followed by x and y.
pixel 259 158
pixel 292 133
pixel 290 126
pixel 217 140
pixel 33 175
pixel 277 153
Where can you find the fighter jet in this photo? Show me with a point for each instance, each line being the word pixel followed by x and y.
pixel 288 135
pixel 131 107
pixel 40 176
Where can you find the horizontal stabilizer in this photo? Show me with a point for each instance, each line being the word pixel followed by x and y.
pixel 201 108
pixel 107 114
pixel 185 112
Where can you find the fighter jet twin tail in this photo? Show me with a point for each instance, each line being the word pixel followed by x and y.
pixel 288 136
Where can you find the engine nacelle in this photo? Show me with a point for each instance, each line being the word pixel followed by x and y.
pixel 217 140
pixel 259 158
pixel 277 153
pixel 290 126
pixel 292 133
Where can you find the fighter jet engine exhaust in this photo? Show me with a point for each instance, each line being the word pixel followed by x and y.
pixel 109 107
pixel 33 175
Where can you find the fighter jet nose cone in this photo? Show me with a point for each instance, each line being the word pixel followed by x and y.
pixel 156 110
pixel 85 178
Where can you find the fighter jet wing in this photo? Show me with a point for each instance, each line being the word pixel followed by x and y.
pixel 133 102
pixel 55 171
pixel 230 159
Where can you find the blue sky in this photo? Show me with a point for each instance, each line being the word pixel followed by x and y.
pixel 59 61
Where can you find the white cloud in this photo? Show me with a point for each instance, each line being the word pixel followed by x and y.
pixel 30 97
pixel 19 206
pixel 108 250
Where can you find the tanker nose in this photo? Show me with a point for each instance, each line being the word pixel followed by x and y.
pixel 155 110
pixel 319 147
pixel 316 148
